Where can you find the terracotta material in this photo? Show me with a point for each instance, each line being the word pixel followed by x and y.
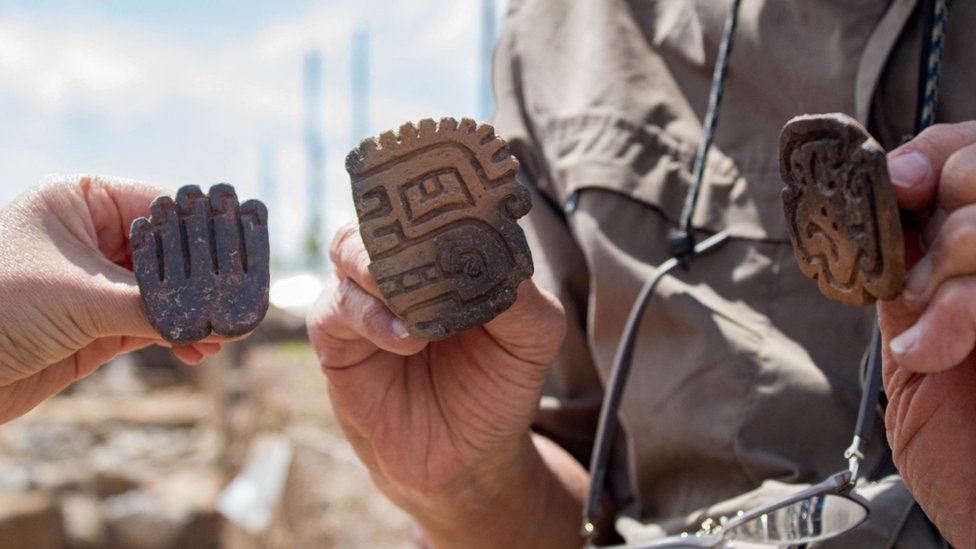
pixel 202 264
pixel 840 209
pixel 437 206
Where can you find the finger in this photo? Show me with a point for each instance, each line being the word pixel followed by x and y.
pixel 195 216
pixel 957 186
pixel 916 166
pixel 188 355
pixel 348 254
pixel 533 327
pixel 166 222
pixel 932 227
pixel 207 349
pixel 114 302
pixel 349 315
pixel 254 223
pixel 130 344
pixel 946 332
pixel 112 203
pixel 951 254
pixel 227 234
pixel 145 252
pixel 336 344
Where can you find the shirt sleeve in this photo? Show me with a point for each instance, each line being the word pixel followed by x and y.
pixel 571 398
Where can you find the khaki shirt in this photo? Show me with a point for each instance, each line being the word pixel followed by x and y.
pixel 745 377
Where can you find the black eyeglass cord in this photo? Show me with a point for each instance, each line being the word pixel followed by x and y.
pixel 681 241
pixel 681 244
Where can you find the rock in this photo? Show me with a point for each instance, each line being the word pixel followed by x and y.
pixel 83 524
pixel 137 520
pixel 60 476
pixel 179 407
pixel 31 520
pixel 178 510
pixel 114 482
pixel 54 442
pixel 197 490
pixel 14 476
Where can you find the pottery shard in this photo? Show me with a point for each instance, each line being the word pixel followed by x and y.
pixel 840 209
pixel 437 206
pixel 202 264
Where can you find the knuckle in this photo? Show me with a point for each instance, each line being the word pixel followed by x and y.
pixel 954 294
pixel 341 239
pixel 959 235
pixel 316 323
pixel 929 139
pixel 939 139
pixel 362 260
pixel 374 318
pixel 332 353
pixel 959 168
pixel 958 179
pixel 345 297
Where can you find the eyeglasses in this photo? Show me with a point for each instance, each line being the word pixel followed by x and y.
pixel 820 512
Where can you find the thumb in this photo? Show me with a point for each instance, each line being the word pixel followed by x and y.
pixel 533 328
pixel 112 204
pixel 115 306
pixel 916 166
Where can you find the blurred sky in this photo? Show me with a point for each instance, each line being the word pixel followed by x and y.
pixel 186 91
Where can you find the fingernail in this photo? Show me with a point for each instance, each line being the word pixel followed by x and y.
pixel 918 279
pixel 906 341
pixel 909 169
pixel 399 329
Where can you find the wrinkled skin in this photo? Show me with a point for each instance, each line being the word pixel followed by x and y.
pixel 443 427
pixel 70 300
pixel 930 331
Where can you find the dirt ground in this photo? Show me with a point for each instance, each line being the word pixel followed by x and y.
pixel 329 500
pixel 138 455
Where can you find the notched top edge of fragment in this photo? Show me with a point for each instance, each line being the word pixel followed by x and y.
pixel 798 128
pixel 491 151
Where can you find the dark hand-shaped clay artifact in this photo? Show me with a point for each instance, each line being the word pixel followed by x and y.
pixel 202 264
pixel 437 206
pixel 840 209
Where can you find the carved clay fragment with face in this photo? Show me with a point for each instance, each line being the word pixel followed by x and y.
pixel 437 206
pixel 840 209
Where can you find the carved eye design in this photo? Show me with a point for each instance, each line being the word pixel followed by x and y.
pixel 854 191
pixel 474 264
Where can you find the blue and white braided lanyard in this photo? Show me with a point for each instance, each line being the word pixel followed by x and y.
pixel 929 97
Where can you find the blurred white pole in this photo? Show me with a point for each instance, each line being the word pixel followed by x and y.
pixel 314 156
pixel 360 80
pixel 487 49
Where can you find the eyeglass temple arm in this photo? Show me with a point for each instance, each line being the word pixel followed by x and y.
pixel 864 427
pixel 618 379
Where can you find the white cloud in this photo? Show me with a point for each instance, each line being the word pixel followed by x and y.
pixel 105 95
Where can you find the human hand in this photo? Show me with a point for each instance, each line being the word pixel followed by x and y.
pixel 930 331
pixel 69 297
pixel 438 424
